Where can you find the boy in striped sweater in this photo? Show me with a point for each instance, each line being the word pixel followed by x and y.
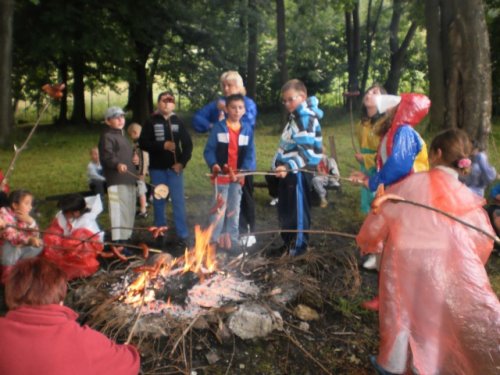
pixel 300 149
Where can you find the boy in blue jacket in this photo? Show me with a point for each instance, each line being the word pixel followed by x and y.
pixel 300 148
pixel 229 146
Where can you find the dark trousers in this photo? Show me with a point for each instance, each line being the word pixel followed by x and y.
pixel 272 185
pixel 247 207
pixel 294 210
pixel 98 187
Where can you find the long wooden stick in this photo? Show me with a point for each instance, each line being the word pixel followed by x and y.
pixel 447 214
pixel 17 151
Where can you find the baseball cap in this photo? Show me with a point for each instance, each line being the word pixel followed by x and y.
pixel 113 112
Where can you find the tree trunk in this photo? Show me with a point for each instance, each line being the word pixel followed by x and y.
pixel 281 36
pixel 63 105
pixel 398 53
pixel 466 71
pixel 78 67
pixel 6 115
pixel 371 30
pixel 253 25
pixel 353 51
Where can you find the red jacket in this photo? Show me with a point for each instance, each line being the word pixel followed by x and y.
pixel 46 340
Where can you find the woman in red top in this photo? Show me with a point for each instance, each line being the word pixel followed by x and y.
pixel 41 336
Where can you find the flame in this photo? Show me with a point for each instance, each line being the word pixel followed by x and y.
pixel 201 259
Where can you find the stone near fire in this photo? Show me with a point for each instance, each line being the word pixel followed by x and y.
pixel 304 312
pixel 252 320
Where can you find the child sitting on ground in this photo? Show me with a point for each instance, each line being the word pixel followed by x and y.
pixel 230 144
pixel 73 240
pixel 96 180
pixel 328 176
pixel 134 132
pixel 20 238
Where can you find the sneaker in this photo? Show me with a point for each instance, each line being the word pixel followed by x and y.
pixel 248 241
pixel 371 262
pixel 273 202
pixel 380 370
pixel 142 215
pixel 324 203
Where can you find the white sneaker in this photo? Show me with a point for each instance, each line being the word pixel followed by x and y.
pixel 248 241
pixel 273 202
pixel 371 262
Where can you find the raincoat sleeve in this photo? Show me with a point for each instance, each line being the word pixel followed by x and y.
pixel 248 162
pixel 250 112
pixel 407 145
pixel 373 233
pixel 206 117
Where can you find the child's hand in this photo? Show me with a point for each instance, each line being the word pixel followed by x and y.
pixel 24 217
pixel 359 178
pixel 169 146
pixel 122 168
pixel 135 159
pixel 359 157
pixel 35 241
pixel 281 171
pixel 177 167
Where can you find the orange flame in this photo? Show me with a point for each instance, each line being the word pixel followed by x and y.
pixel 201 259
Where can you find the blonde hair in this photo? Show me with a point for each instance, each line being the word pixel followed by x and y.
pixel 134 126
pixel 232 75
pixel 294 84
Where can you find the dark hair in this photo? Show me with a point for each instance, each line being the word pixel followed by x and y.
pixel 294 84
pixel 17 195
pixel 73 203
pixel 455 146
pixel 364 114
pixel 164 93
pixel 34 282
pixel 235 97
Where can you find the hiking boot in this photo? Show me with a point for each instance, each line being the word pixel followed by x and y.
pixel 324 203
pixel 372 305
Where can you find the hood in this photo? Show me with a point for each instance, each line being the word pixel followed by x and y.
pixel 312 103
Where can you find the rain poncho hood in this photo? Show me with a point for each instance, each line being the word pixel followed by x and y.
pixel 436 301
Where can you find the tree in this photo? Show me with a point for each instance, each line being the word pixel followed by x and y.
pixel 253 47
pixel 281 37
pixel 459 66
pixel 353 42
pixel 371 30
pixel 398 52
pixel 6 15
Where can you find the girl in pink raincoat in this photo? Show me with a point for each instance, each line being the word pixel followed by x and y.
pixel 438 313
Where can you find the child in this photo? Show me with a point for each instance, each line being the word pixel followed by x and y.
pixel 401 150
pixel 169 145
pixel 63 240
pixel 369 139
pixel 231 83
pixel 300 147
pixel 482 173
pixel 230 143
pixel 116 156
pixel 328 176
pixel 134 132
pixel 48 333
pixel 97 182
pixel 19 239
pixel 438 313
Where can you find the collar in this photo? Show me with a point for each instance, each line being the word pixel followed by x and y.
pixel 448 170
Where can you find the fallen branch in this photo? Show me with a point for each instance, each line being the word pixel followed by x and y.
pixel 188 328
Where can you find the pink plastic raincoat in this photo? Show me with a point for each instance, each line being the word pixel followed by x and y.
pixel 438 312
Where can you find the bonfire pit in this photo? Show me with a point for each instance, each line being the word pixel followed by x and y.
pixel 161 302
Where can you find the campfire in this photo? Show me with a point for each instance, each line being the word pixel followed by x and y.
pixel 182 287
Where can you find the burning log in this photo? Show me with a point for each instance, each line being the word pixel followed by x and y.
pixel 176 290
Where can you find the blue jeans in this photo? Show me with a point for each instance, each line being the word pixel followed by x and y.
pixel 229 221
pixel 175 183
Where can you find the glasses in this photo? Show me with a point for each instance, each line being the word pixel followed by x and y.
pixel 289 100
pixel 168 99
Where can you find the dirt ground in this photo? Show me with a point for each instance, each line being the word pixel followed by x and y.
pixel 339 342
